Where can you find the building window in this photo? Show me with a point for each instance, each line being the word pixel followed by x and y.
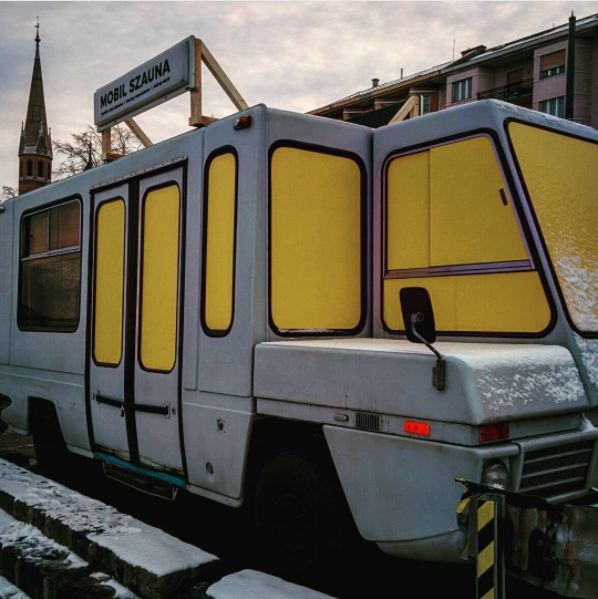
pixel 552 64
pixel 40 169
pixel 515 77
pixel 22 169
pixel 424 104
pixel 29 168
pixel 554 106
pixel 49 172
pixel 50 282
pixel 462 90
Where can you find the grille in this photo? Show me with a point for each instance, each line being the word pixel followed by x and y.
pixel 556 470
pixel 368 422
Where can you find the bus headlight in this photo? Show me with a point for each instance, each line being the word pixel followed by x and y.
pixel 495 474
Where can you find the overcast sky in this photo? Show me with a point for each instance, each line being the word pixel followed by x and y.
pixel 292 55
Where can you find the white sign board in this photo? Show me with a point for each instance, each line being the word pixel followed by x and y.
pixel 157 80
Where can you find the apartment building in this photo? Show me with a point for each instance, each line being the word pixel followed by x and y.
pixel 529 72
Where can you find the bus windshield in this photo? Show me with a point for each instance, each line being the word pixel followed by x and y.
pixel 561 176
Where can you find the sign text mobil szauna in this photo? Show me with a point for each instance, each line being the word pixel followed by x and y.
pixel 165 76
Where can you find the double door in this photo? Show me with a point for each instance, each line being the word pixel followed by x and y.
pixel 135 322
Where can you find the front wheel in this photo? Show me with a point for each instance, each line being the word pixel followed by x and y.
pixel 301 515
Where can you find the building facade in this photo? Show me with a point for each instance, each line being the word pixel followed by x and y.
pixel 530 72
pixel 35 147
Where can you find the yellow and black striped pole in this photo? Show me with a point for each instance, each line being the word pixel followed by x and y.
pixel 490 581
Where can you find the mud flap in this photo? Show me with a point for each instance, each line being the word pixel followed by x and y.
pixel 553 547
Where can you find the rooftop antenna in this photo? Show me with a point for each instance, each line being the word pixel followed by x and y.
pixel 454 50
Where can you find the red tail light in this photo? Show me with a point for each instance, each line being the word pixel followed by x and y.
pixel 417 428
pixel 494 432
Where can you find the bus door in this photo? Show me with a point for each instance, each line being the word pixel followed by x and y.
pixel 137 294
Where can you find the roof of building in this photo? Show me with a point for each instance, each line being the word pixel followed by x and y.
pixel 475 57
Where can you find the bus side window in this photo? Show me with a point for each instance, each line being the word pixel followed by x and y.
pixel 50 281
pixel 316 242
pixel 219 241
pixel 450 226
pixel 109 283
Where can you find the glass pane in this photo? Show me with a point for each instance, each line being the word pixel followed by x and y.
pixel 50 292
pixel 109 282
pixel 220 243
pixel 471 222
pixel 562 178
pixel 408 212
pixel 160 270
pixel 64 226
pixel 315 241
pixel 36 232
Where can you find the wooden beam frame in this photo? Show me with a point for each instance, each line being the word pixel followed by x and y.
pixel 412 104
pixel 202 54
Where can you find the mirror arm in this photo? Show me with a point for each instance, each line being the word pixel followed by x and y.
pixel 439 371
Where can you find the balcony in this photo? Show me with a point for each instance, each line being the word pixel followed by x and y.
pixel 514 93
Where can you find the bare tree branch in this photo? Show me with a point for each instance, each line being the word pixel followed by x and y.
pixel 85 149
pixel 8 193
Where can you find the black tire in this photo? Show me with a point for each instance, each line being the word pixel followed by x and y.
pixel 301 515
pixel 48 442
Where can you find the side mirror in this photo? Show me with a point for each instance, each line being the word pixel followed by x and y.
pixel 418 314
pixel 418 317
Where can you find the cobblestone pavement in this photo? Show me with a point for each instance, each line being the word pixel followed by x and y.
pixel 227 533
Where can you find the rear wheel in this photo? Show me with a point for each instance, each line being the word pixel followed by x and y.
pixel 301 515
pixel 48 442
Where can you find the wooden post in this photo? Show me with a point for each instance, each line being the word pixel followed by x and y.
pixel 225 83
pixel 196 118
pixel 404 110
pixel 106 143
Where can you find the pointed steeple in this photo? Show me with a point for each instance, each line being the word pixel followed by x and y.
pixel 36 110
pixel 35 147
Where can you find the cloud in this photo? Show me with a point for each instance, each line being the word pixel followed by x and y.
pixel 291 55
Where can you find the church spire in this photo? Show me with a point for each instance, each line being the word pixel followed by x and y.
pixel 35 149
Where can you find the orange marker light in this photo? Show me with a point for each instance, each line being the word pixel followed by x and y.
pixel 417 428
pixel 242 122
pixel 494 432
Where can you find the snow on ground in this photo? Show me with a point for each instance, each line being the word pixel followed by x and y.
pixel 9 591
pixel 511 375
pixel 32 544
pixel 130 539
pixel 121 592
pixel 250 584
pixel 589 356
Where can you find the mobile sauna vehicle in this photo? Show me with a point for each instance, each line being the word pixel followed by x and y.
pixel 225 312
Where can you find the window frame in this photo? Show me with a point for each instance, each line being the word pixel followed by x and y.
pixel 221 151
pixel 535 264
pixel 49 254
pixel 93 296
pixel 180 273
pixel 557 100
pixel 458 85
pixel 364 239
pixel 540 235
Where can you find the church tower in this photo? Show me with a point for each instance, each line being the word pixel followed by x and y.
pixel 35 148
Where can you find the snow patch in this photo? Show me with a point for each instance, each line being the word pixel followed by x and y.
pixel 250 584
pixel 9 591
pixel 519 375
pixel 130 539
pixel 120 592
pixel 589 356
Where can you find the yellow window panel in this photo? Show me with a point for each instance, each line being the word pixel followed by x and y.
pixel 109 282
pixel 561 175
pixel 160 278
pixel 502 302
pixel 220 243
pixel 492 303
pixel 442 290
pixel 469 222
pixel 408 212
pixel 315 241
